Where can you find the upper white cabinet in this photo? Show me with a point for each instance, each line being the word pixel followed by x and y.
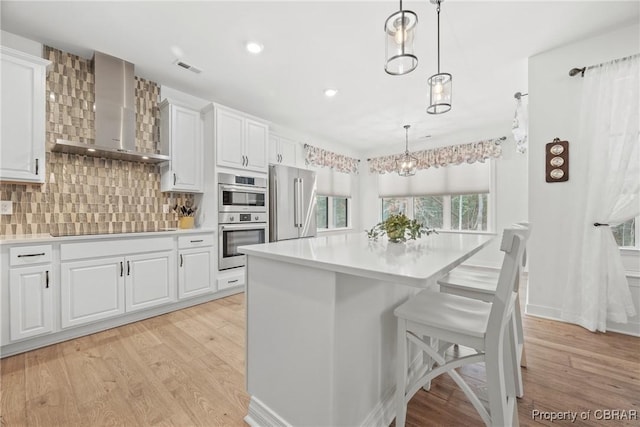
pixel 181 139
pixel 283 151
pixel 22 152
pixel 241 142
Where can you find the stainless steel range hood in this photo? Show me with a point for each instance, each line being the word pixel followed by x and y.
pixel 115 114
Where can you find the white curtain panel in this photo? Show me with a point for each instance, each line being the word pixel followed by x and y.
pixel 598 289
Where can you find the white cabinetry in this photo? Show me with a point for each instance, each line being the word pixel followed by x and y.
pixel 30 291
pixel 123 281
pixel 241 142
pixel 22 152
pixel 91 290
pixel 181 139
pixel 195 265
pixel 283 151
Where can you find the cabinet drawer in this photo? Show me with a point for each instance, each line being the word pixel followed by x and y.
pixel 230 281
pixel 27 255
pixel 195 241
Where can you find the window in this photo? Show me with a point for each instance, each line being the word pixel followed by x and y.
pixel 443 212
pixel 625 233
pixel 333 212
pixel 429 211
pixel 469 212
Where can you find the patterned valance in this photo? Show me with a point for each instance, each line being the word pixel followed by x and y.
pixel 315 156
pixel 443 156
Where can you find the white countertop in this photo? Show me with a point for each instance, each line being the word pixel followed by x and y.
pixel 413 263
pixel 47 238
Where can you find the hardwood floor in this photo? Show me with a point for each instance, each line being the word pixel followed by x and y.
pixel 187 369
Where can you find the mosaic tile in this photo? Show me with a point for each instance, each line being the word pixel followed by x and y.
pixel 89 193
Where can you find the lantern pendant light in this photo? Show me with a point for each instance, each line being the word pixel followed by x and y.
pixel 406 164
pixel 400 29
pixel 440 83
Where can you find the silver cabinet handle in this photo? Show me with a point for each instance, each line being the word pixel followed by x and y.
pixel 37 168
pixel 174 179
pixel 197 241
pixel 232 281
pixel 181 260
pixel 46 273
pixel 28 255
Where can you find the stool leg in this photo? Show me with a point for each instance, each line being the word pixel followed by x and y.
pixel 512 370
pixel 496 387
pixel 427 360
pixel 401 373
pixel 520 339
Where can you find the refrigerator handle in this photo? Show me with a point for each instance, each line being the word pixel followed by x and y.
pixel 295 202
pixel 300 202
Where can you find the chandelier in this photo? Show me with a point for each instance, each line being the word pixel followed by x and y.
pixel 406 164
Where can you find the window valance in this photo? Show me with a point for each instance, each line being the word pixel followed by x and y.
pixel 315 156
pixel 443 156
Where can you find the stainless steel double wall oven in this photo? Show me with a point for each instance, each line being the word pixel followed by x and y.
pixel 242 216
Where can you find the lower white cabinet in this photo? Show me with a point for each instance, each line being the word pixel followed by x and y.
pixel 150 280
pixel 105 287
pixel 31 301
pixel 195 265
pixel 91 290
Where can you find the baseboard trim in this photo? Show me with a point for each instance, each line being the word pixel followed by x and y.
pixel 260 415
pixel 550 313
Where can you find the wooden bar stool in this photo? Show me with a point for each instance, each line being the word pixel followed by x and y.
pixel 434 321
pixel 482 286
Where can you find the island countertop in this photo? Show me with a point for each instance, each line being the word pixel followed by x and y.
pixel 411 263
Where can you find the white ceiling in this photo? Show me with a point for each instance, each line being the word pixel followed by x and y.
pixel 310 46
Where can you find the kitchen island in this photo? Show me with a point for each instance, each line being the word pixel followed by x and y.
pixel 321 335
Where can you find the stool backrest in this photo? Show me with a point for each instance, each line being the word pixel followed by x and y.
pixel 513 247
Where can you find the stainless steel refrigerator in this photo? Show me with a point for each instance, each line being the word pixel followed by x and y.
pixel 292 203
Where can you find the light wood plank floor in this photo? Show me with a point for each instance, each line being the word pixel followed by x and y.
pixel 187 369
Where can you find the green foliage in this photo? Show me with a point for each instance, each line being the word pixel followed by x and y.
pixel 398 228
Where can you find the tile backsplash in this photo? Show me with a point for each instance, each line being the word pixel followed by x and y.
pixel 90 194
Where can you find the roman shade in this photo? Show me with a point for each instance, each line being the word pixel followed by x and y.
pixel 464 178
pixel 333 183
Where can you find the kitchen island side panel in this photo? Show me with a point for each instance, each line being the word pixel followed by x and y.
pixel 290 316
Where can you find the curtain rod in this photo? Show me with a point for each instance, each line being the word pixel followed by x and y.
pixel 502 138
pixel 576 71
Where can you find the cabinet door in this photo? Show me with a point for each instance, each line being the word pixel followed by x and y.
pixel 229 139
pixel 31 301
pixel 256 146
pixel 186 149
pixel 274 153
pixel 150 280
pixel 288 152
pixel 22 152
pixel 91 290
pixel 195 272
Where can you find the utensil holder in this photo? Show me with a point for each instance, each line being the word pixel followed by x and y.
pixel 185 222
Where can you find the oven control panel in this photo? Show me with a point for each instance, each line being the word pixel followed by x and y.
pixel 241 217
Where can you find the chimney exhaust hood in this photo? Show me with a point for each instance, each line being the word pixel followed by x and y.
pixel 115 115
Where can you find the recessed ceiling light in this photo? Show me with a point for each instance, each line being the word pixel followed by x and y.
pixel 330 93
pixel 91 150
pixel 254 47
pixel 145 157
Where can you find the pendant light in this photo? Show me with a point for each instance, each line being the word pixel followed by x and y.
pixel 406 164
pixel 440 83
pixel 400 29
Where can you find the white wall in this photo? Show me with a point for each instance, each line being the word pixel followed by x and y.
pixel 510 193
pixel 554 111
pixel 20 43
